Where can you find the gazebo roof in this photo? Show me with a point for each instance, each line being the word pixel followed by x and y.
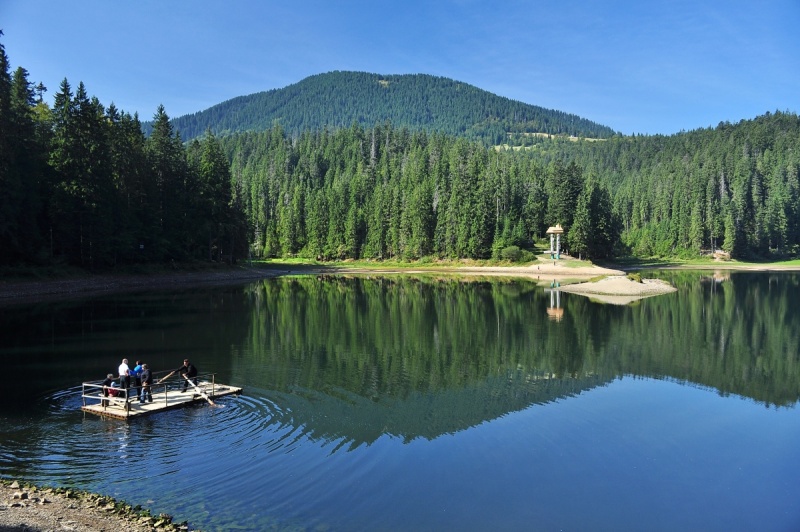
pixel 557 230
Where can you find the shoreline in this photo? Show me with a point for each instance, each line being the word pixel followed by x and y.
pixel 19 291
pixel 26 506
pixel 620 290
pixel 35 291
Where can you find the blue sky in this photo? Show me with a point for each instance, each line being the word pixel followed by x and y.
pixel 636 66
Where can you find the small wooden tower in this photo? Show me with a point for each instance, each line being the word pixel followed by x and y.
pixel 555 240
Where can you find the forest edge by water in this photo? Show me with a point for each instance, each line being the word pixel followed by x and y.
pixel 16 290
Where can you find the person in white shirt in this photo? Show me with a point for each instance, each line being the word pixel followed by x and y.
pixel 124 374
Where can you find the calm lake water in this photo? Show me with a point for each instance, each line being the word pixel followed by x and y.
pixel 426 403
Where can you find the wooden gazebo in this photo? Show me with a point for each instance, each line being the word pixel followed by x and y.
pixel 555 233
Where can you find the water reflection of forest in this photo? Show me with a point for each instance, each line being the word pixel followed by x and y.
pixel 393 339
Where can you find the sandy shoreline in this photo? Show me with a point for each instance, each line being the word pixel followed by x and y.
pixel 620 290
pixel 24 291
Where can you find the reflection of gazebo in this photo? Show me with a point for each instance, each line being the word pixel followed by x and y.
pixel 555 241
pixel 555 314
pixel 554 311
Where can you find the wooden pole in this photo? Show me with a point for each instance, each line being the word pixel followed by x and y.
pixel 201 392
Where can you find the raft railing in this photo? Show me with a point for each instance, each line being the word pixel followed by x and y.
pixel 93 391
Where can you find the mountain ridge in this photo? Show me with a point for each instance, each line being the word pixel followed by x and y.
pixel 338 99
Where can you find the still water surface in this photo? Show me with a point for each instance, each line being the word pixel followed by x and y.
pixel 405 403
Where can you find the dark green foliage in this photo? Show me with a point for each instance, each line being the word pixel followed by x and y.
pixel 80 185
pixel 336 100
pixel 387 193
pixel 511 253
pixel 563 188
pixel 595 229
pixel 733 187
pixel 635 277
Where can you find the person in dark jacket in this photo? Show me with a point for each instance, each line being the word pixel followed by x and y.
pixel 190 372
pixel 106 385
pixel 147 380
pixel 187 370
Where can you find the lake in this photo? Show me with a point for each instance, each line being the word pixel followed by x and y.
pixel 426 403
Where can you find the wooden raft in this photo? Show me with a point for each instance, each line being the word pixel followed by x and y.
pixel 164 398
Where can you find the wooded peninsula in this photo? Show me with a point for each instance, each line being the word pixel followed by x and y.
pixel 81 184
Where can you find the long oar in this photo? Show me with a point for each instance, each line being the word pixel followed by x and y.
pixel 162 379
pixel 201 392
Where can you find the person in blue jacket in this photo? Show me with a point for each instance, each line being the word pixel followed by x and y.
pixel 136 378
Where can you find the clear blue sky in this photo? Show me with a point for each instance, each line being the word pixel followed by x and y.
pixel 636 66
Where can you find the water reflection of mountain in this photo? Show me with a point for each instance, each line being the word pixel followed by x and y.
pixel 402 341
pixel 356 420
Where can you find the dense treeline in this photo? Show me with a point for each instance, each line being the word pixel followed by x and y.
pixel 734 187
pixel 385 192
pixel 416 102
pixel 81 185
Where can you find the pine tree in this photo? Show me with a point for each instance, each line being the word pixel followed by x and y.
pixel 213 201
pixel 168 166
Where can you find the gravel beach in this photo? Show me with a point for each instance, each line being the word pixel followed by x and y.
pixel 25 508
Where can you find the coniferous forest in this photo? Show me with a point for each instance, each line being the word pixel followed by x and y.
pixel 384 192
pixel 414 101
pixel 82 184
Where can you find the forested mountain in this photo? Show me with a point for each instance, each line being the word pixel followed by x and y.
pixel 81 184
pixel 337 100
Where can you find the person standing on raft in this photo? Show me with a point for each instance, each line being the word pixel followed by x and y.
pixel 147 380
pixel 187 370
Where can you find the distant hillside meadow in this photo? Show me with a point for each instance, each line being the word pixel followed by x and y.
pixel 350 165
pixel 337 100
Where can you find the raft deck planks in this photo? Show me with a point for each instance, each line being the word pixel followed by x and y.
pixel 162 401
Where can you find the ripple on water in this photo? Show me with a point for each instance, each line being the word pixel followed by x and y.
pixel 70 444
pixel 249 447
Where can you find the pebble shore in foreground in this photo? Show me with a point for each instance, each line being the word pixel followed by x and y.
pixel 24 507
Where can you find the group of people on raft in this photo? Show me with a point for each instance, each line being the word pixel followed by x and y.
pixel 140 378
